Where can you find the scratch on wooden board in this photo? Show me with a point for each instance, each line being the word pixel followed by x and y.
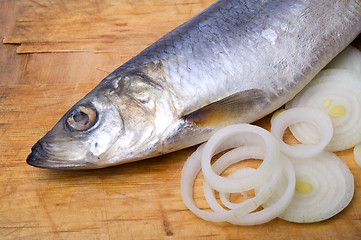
pixel 4 95
pixel 104 209
pixel 169 180
pixel 207 236
pixel 105 70
pixel 46 101
pixel 165 221
pixel 65 231
pixel 24 68
pixel 358 218
pixel 176 173
pixel 76 230
pixel 128 219
pixel 15 229
pixel 44 206
pixel 39 4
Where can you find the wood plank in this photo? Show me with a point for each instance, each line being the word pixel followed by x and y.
pixel 100 26
pixel 11 65
pixel 138 200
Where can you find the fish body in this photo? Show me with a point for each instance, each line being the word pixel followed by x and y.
pixel 235 62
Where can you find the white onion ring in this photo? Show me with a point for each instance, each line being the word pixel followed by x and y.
pixel 249 205
pixel 357 154
pixel 263 194
pixel 273 211
pixel 297 115
pixel 241 172
pixel 229 158
pixel 239 135
pixel 308 134
pixel 345 127
pixel 349 58
pixel 189 173
pixel 275 114
pixel 331 184
pixel 339 86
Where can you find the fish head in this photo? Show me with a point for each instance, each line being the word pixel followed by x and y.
pixel 86 131
pixel 113 124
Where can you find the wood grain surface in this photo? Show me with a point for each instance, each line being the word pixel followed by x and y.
pixel 69 46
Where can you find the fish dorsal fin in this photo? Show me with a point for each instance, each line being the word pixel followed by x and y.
pixel 236 108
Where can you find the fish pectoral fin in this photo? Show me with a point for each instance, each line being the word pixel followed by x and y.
pixel 233 109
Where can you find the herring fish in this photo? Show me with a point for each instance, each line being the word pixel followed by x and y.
pixel 235 62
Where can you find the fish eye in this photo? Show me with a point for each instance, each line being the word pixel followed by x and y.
pixel 82 118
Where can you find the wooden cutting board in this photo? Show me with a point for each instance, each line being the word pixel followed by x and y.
pixel 68 47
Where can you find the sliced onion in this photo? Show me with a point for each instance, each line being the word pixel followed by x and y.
pixel 250 142
pixel 241 172
pixel 240 215
pixel 296 115
pixel 229 158
pixel 349 58
pixel 189 173
pixel 325 186
pixel 275 114
pixel 236 155
pixel 357 153
pixel 190 170
pixel 235 136
pixel 265 192
pixel 338 93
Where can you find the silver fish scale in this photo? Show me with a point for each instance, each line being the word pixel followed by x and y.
pixel 232 45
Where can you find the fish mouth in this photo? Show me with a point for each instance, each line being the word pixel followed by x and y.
pixel 40 157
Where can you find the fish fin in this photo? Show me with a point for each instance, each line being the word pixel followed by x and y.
pixel 230 110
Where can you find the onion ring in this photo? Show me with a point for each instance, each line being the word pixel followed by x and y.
pixel 357 154
pixel 245 217
pixel 234 136
pixel 241 172
pixel 326 188
pixel 189 172
pixel 297 115
pixel 338 93
pixel 243 208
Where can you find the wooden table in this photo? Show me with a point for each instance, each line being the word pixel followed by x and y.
pixel 62 50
